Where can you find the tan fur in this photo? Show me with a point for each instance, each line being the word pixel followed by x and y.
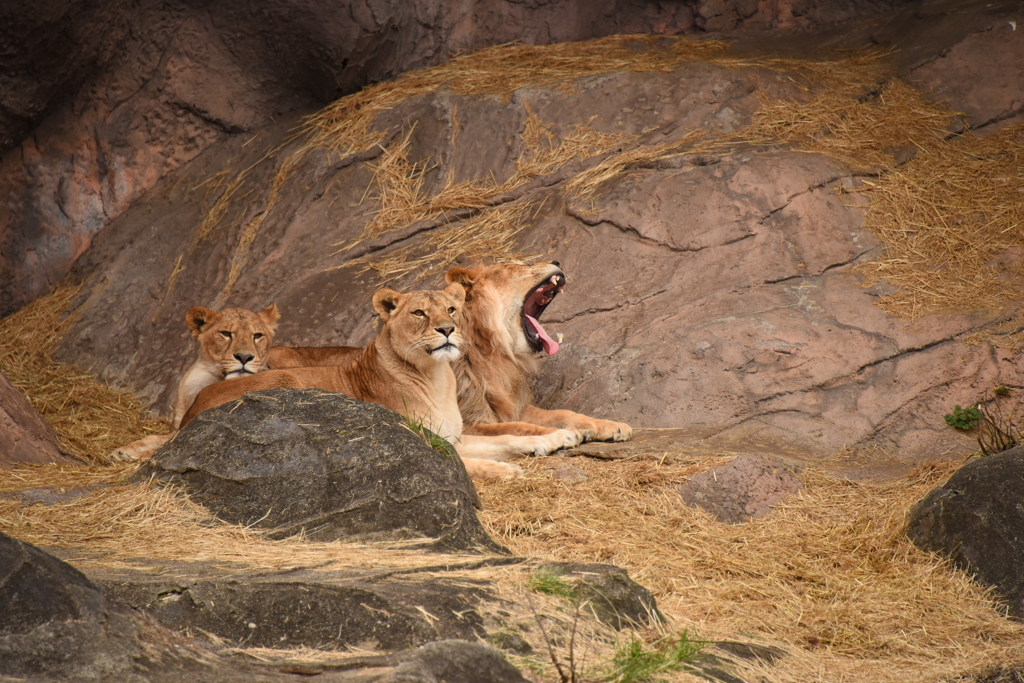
pixel 495 371
pixel 284 357
pixel 406 368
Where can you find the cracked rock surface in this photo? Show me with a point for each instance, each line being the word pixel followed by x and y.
pixel 716 293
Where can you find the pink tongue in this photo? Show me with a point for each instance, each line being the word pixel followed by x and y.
pixel 550 345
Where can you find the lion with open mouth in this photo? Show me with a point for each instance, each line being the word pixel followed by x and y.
pixel 501 323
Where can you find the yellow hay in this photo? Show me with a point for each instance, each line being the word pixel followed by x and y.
pixel 489 236
pixel 91 418
pixel 345 127
pixel 114 524
pixel 829 574
pixel 952 221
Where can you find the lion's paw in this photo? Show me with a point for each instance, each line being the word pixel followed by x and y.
pixel 560 438
pixel 139 450
pixel 568 438
pixel 607 430
pixel 491 469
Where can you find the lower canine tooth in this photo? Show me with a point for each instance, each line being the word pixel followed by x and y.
pixel 558 337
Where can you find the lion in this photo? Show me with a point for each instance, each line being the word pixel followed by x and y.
pixel 504 303
pixel 406 368
pixel 233 343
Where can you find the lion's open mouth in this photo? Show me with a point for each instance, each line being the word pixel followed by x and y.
pixel 536 301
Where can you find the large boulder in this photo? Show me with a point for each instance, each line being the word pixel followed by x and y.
pixel 322 464
pixel 977 520
pixel 25 437
pixel 101 100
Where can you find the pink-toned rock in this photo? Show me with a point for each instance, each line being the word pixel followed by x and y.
pixel 981 76
pixel 25 437
pixel 743 489
pixel 714 294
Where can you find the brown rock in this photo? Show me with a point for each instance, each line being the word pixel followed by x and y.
pixel 25 437
pixel 746 488
pixel 132 91
pixel 975 76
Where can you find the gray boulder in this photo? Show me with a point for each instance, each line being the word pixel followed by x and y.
pixel 977 520
pixel 56 625
pixel 323 464
pixel 607 591
pixel 455 661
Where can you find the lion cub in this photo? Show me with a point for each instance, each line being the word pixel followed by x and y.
pixel 233 343
pixel 407 368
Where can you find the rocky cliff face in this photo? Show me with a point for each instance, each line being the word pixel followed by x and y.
pixel 101 100
pixel 713 277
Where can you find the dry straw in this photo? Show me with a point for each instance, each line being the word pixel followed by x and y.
pixel 952 222
pixel 488 236
pixel 91 418
pixel 829 575
pixel 115 524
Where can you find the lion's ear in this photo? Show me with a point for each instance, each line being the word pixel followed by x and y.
pixel 457 291
pixel 270 316
pixel 385 301
pixel 464 276
pixel 198 317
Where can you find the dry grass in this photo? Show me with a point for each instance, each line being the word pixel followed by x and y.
pixel 346 126
pixel 116 524
pixel 402 200
pixel 488 236
pixel 952 221
pixel 91 418
pixel 829 575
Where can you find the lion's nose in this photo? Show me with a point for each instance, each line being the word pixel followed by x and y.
pixel 556 263
pixel 446 331
pixel 243 358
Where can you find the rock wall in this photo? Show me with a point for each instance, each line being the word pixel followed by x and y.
pixel 712 291
pixel 100 100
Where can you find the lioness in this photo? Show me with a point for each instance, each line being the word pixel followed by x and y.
pixel 406 368
pixel 233 343
pixel 504 303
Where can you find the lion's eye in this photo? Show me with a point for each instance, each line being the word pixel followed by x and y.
pixel 257 336
pixel 419 314
pixel 451 310
pixel 227 335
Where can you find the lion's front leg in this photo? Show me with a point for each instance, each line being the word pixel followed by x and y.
pixel 569 440
pixel 502 447
pixel 591 428
pixel 139 450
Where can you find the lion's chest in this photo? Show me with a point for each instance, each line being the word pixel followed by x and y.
pixel 441 402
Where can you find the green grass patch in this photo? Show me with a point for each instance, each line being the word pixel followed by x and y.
pixel 550 581
pixel 634 661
